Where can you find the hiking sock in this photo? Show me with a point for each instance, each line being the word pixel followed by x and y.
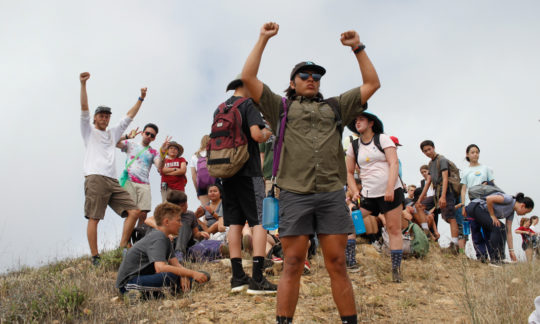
pixel 455 240
pixel 350 252
pixel 258 264
pixel 372 238
pixel 283 320
pixel 396 256
pixel 425 226
pixel 237 270
pixel 353 319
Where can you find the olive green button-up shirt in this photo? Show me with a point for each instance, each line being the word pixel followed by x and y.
pixel 312 158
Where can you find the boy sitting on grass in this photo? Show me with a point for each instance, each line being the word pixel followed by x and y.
pixel 150 266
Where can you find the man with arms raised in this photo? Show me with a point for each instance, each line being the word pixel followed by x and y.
pixel 101 188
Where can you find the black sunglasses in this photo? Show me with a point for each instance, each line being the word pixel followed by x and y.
pixel 150 134
pixel 304 76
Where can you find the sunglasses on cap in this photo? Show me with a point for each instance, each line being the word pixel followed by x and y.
pixel 150 134
pixel 304 76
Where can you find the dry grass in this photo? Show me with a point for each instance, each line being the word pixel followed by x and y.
pixel 439 288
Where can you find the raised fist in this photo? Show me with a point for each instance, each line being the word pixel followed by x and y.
pixel 84 76
pixel 350 38
pixel 269 29
pixel 143 92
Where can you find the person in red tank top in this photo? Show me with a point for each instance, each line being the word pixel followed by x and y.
pixel 173 173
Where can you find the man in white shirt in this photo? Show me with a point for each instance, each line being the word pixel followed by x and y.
pixel 101 186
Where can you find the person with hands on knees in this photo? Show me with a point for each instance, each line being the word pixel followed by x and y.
pixel 488 212
pixel 173 173
pixel 150 266
pixel 312 170
pixel 101 187
pixel 382 192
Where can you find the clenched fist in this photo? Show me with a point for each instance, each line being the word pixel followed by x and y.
pixel 350 38
pixel 84 76
pixel 143 92
pixel 269 29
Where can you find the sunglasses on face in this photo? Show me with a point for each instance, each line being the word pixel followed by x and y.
pixel 150 134
pixel 304 76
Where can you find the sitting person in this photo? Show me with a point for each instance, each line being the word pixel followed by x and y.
pixel 212 211
pixel 150 266
pixel 189 230
pixel 422 218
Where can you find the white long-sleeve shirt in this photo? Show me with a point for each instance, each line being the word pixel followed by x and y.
pixel 100 145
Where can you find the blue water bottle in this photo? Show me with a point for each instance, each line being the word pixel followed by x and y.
pixel 270 219
pixel 358 221
pixel 466 227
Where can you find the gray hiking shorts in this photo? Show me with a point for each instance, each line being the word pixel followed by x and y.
pixel 307 214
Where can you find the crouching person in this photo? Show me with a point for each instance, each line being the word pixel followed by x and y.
pixel 150 266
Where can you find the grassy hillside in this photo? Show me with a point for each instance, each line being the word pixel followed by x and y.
pixel 440 288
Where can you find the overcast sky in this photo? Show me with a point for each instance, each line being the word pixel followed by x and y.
pixel 457 73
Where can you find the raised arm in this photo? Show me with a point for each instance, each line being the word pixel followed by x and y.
pixel 251 67
pixel 369 75
pixel 135 109
pixel 84 96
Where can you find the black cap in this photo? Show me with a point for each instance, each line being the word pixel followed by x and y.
pixel 237 82
pixel 378 127
pixel 307 65
pixel 103 109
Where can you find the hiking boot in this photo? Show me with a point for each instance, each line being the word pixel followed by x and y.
pixel 96 260
pixel 264 287
pixel 239 284
pixel 307 267
pixel 396 275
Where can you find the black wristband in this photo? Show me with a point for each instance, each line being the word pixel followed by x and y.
pixel 359 48
pixel 141 99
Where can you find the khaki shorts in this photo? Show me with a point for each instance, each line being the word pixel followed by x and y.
pixel 140 193
pixel 100 191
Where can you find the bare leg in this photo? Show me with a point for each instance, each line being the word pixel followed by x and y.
pixel 259 241
pixel 529 254
pixel 129 224
pixel 204 200
pixel 235 241
pixel 142 218
pixel 91 233
pixel 393 226
pixel 333 247
pixel 294 251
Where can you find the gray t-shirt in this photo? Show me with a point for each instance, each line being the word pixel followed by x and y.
pixel 504 210
pixel 139 260
pixel 189 219
pixel 436 173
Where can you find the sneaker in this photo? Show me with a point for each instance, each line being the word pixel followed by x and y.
pixel 396 275
pixel 239 284
pixel 307 267
pixel 277 260
pixel 377 246
pixel 495 265
pixel 96 260
pixel 263 287
pixel 352 268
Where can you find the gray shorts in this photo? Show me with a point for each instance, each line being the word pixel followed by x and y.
pixel 321 213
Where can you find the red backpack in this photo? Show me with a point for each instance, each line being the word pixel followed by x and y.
pixel 227 150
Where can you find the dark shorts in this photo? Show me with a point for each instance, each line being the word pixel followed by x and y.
pixel 242 200
pixel 100 191
pixel 449 212
pixel 378 206
pixel 307 214
pixel 202 192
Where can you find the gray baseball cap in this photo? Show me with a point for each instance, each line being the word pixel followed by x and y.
pixel 103 109
pixel 307 65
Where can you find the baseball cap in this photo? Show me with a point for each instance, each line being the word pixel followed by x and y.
pixel 103 109
pixel 395 140
pixel 307 65
pixel 237 82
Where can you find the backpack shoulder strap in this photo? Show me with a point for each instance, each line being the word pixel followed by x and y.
pixel 355 144
pixel 334 104
pixel 377 142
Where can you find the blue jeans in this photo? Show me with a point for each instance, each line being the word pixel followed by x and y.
pixel 154 285
pixel 495 236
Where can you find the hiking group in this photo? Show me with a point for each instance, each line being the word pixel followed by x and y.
pixel 290 147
